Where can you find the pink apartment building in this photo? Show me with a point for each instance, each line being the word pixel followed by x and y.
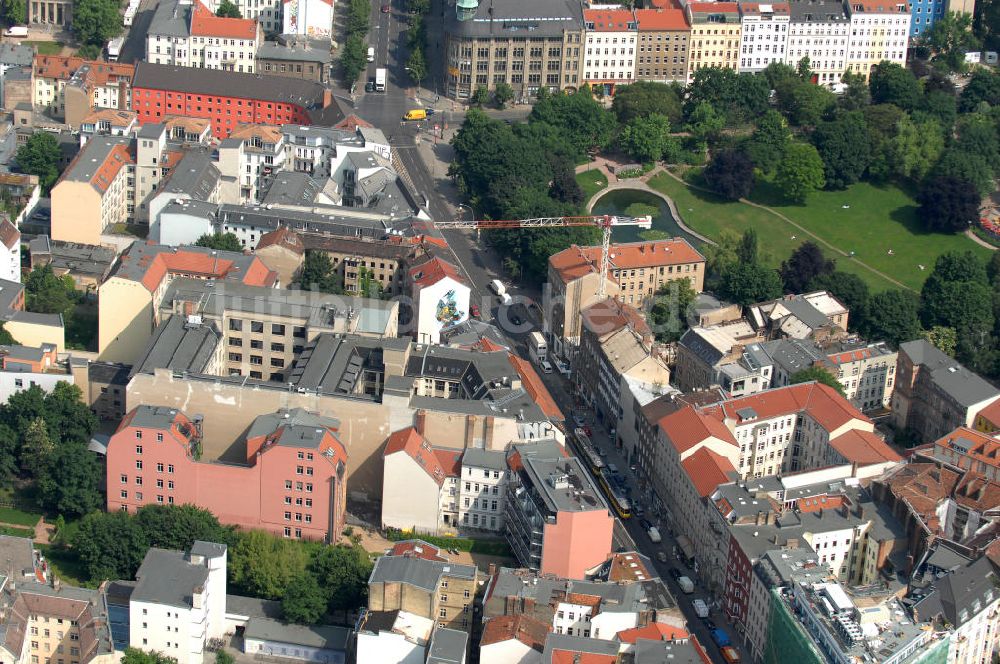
pixel 292 484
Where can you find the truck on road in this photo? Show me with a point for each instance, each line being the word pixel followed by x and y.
pixel 721 638
pixel 537 348
pixel 380 75
pixel 115 48
pixel 700 608
pixel 686 584
pixel 654 535
pixel 501 291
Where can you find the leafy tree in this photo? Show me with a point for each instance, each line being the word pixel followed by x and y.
pixel 977 134
pixel 730 173
pixel 748 283
pixel 10 447
pixel 705 124
pixel 481 95
pixel 110 545
pixel 842 144
pixel 954 293
pixel 983 86
pixel 644 98
pixel 805 104
pixel 950 37
pixel 96 21
pixel 564 186
pixel 986 23
pixel 583 122
pixel 947 204
pixel 177 527
pixel 769 141
pixel 343 571
pixel 304 602
pixel 892 84
pixel 883 124
pixel 49 294
pixel 941 106
pixel 915 148
pixel 945 339
pixel 368 285
pixel 967 166
pixel 263 565
pixel 358 14
pixel 416 66
pixel 668 314
pixel 959 266
pixel 5 337
pixel 220 242
pixel 747 250
pixel 223 657
pixel 778 73
pixel 90 52
pixel 69 482
pixel 228 9
pixel 849 289
pixel 14 12
pixel 37 450
pixel 503 93
pixel 40 156
pixel 647 138
pixel 818 374
pixel 892 317
pixel 800 172
pixel 857 95
pixel 317 274
pixel 353 58
pixel 805 264
pixel 136 656
pixel 737 97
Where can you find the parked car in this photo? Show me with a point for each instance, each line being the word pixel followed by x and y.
pixel 661 556
pixel 646 525
pixel 676 573
pixel 578 420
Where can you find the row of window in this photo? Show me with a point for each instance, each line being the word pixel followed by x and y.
pixel 257 327
pixel 159 483
pixel 139 498
pixel 276 362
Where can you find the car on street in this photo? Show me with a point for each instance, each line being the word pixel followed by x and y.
pixel 639 510
pixel 646 525
pixel 370 85
pixel 474 310
pixel 386 9
pixel 676 573
pixel 546 367
pixel 661 556
pixel 578 420
pixel 709 624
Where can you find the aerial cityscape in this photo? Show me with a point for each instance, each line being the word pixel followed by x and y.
pixel 499 332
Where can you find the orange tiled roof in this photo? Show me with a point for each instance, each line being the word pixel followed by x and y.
pixel 863 447
pixel 823 403
pixel 654 631
pixel 283 237
pixel 609 20
pixel 707 470
pixel 535 388
pixel 662 19
pixel 529 631
pixel 206 24
pixel 417 548
pixel 9 235
pixel 992 413
pixel 103 73
pixel 351 121
pixel 433 271
pixel 981 447
pixel 417 448
pixel 611 315
pixel 56 66
pixel 578 261
pixel 715 7
pixel 689 426
pixel 119 156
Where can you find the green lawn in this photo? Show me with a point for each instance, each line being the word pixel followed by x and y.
pixel 66 565
pixel 28 533
pixel 18 517
pixel 46 47
pixel 879 218
pixel 591 182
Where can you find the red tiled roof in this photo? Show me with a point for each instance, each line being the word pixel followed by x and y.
pixel 863 447
pixel 662 19
pixel 707 470
pixel 688 426
pixel 535 388
pixel 9 235
pixel 450 461
pixel 577 261
pixel 433 271
pixel 654 631
pixel 880 6
pixel 529 631
pixel 118 156
pixel 283 237
pixel 417 448
pixel 981 447
pixel 351 121
pixel 576 657
pixel 611 315
pixel 609 20
pixel 715 7
pixel 992 413
pixel 822 402
pixel 416 548
pixel 206 24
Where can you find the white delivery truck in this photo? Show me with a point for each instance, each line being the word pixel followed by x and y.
pixel 19 31
pixel 537 348
pixel 686 584
pixel 501 291
pixel 654 535
pixel 115 48
pixel 380 76
pixel 700 608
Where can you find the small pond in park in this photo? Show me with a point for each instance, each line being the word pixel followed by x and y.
pixel 617 202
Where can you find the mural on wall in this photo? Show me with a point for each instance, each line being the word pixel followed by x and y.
pixel 447 310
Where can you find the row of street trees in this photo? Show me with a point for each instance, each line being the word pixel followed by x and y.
pixel 353 53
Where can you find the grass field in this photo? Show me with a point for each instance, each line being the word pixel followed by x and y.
pixel 18 517
pixel 877 219
pixel 66 565
pixel 46 47
pixel 591 182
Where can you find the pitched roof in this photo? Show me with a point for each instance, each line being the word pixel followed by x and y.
pixel 707 470
pixel 533 385
pixel 416 548
pixel 863 447
pixel 609 20
pixel 577 261
pixel 9 235
pixel 149 263
pixel 714 7
pixel 662 19
pixel 206 24
pixel 522 627
pixel 434 270
pixel 283 237
pixel 438 464
pixel 974 444
pixel 607 316
pixel 822 402
pixel 654 631
pixel 689 426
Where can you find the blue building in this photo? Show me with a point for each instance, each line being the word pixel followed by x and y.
pixel 923 14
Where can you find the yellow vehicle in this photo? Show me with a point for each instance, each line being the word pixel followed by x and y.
pixel 416 114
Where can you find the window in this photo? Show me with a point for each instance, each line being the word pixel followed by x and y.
pixel 236 324
pixel 138 464
pixel 170 468
pixel 256 327
pixel 124 479
pixel 278 329
pixel 278 348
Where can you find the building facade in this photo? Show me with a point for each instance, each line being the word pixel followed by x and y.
pixel 763 34
pixel 185 33
pixel 880 32
pixel 819 30
pixel 611 39
pixel 663 45
pixel 715 36
pixel 481 490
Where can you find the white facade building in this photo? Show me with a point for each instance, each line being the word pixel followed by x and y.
pixel 179 601
pixel 880 31
pixel 440 298
pixel 267 13
pixel 819 30
pixel 10 251
pixel 250 157
pixel 312 18
pixel 404 642
pixel 186 33
pixel 763 34
pixel 481 491
pixel 610 46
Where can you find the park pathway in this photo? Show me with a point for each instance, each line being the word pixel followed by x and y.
pixel 978 240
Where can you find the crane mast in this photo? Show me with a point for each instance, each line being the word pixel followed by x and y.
pixel 605 222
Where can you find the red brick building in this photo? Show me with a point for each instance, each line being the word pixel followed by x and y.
pixel 292 484
pixel 229 98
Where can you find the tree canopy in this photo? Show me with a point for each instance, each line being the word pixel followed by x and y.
pixel 730 174
pixel 947 204
pixel 818 374
pixel 644 98
pixel 842 144
pixel 804 265
pixel 220 242
pixel 647 138
pixel 318 274
pixel 800 173
pixel 228 9
pixel 97 21
pixel 40 156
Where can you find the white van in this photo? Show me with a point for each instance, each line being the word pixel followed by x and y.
pixel 371 54
pixel 546 367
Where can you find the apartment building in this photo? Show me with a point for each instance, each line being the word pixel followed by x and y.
pixel 663 44
pixel 178 603
pixel 129 300
pixel 251 155
pixel 819 30
pixel 556 519
pixel 419 484
pixel 268 13
pixel 186 33
pixel 880 32
pixel 481 490
pixel 313 149
pixel 295 60
pixel 923 13
pixel 437 590
pixel 610 39
pixel 291 481
pixel 970 450
pixel 385 262
pixel 637 271
pixel 10 250
pixel 441 297
pixel 763 34
pixel 229 98
pixel 527 45
pixel 715 35
pixel 934 394
pixel 69 88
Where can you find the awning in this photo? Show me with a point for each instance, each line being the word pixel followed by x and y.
pixel 686 548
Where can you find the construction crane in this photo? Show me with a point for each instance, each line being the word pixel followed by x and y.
pixel 605 222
